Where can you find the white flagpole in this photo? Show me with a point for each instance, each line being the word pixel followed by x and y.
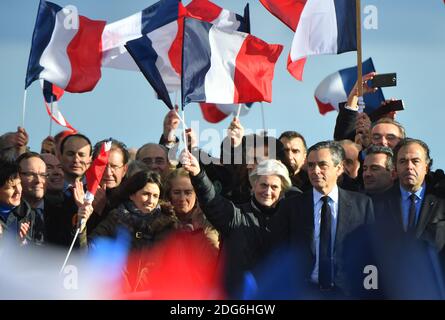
pixel 71 248
pixel 24 109
pixel 51 117
pixel 183 129
pixel 263 117
pixel 239 110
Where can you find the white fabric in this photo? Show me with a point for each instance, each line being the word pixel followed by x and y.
pixel 219 80
pixel 162 39
pixel 331 90
pixel 115 36
pixel 316 32
pixel 54 59
pixel 227 21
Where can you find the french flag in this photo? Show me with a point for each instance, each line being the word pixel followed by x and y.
pixel 214 113
pixel 324 27
pixel 336 87
pixel 66 49
pixel 151 41
pixel 52 94
pixel 225 67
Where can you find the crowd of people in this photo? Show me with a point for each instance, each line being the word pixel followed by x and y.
pixel 367 198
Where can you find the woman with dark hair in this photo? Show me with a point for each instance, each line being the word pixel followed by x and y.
pixel 147 221
pixel 139 212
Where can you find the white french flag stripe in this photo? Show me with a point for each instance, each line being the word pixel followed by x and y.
pixel 316 32
pixel 233 108
pixel 224 50
pixel 115 35
pixel 227 21
pixel 331 90
pixel 162 39
pixel 55 62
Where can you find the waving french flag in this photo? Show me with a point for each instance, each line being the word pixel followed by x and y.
pixel 158 53
pixel 335 88
pixel 66 49
pixel 225 67
pixel 324 27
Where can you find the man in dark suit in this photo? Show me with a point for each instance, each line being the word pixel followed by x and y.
pixel 411 211
pixel 317 223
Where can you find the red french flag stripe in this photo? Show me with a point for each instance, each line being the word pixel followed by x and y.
pixel 85 56
pixel 254 70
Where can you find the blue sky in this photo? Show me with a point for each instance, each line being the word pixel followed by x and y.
pixel 410 40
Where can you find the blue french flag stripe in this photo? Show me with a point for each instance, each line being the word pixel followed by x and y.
pixel 196 48
pixel 158 15
pixel 44 27
pixel 346 25
pixel 145 57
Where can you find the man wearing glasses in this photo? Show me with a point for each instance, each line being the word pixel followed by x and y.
pixel 155 157
pixel 33 176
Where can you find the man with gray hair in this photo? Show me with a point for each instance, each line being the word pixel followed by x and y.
pixel 317 223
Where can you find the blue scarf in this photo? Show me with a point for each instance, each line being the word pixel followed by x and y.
pixel 5 210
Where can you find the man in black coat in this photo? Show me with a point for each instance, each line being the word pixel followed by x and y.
pixel 317 223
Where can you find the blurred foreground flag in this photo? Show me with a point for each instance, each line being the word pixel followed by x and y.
pixel 225 67
pixel 65 49
pixel 214 113
pixel 324 27
pixel 336 87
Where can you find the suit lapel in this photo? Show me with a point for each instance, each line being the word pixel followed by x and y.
pixel 308 218
pixel 426 211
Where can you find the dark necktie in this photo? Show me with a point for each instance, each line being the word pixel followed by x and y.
pixel 412 214
pixel 324 261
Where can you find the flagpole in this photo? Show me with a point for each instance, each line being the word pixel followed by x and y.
pixel 361 104
pixel 238 111
pixel 51 117
pixel 263 118
pixel 24 109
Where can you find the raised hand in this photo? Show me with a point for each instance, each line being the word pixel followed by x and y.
pixel 189 163
pixel 235 132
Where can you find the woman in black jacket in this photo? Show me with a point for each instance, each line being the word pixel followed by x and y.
pixel 242 227
pixel 144 218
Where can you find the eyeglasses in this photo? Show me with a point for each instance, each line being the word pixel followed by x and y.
pixel 34 175
pixel 389 137
pixel 114 167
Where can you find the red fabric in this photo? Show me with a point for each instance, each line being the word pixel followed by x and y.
pixel 199 9
pixel 182 267
pixel 96 170
pixel 254 69
pixel 203 10
pixel 211 113
pixel 324 108
pixel 288 11
pixel 296 68
pixel 85 55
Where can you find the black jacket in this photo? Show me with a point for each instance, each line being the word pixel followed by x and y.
pixel 241 228
pixel 293 227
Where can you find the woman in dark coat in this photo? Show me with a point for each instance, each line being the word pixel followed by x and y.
pixel 147 221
